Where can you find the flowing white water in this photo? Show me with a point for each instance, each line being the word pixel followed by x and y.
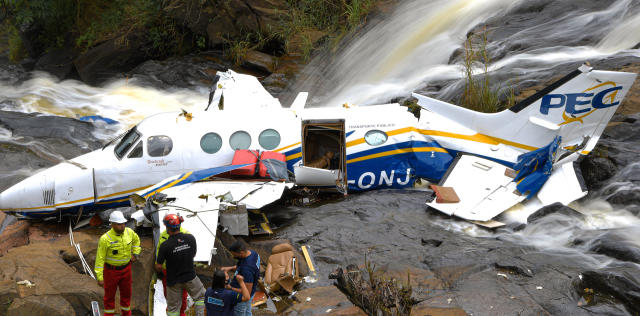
pixel 412 47
pixel 120 100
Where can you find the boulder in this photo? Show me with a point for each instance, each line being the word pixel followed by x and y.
pixel 617 244
pixel 596 170
pixel 259 61
pixel 45 305
pixel 620 281
pixel 14 234
pixel 42 264
pixel 556 208
pixel 58 62
pixel 111 58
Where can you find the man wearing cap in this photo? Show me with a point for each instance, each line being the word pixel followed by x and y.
pixel 178 252
pixel 117 248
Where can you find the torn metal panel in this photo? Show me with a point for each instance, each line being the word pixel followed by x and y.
pixel 483 188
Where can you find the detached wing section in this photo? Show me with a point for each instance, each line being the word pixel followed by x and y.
pixel 485 189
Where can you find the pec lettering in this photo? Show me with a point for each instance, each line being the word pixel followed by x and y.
pixel 577 103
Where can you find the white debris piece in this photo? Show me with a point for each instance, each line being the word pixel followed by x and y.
pixel 503 275
pixel 26 283
pixel 538 287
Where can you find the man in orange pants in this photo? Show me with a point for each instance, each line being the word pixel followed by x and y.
pixel 163 237
pixel 117 248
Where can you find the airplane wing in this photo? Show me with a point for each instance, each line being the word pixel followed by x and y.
pixel 484 189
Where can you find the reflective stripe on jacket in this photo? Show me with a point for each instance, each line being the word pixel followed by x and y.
pixel 163 237
pixel 116 250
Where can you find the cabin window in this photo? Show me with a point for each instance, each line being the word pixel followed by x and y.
pixel 240 140
pixel 269 139
pixel 127 141
pixel 211 143
pixel 137 151
pixel 159 146
pixel 375 137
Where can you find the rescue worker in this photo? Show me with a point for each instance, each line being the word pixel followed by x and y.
pixel 221 301
pixel 178 252
pixel 117 249
pixel 249 267
pixel 163 237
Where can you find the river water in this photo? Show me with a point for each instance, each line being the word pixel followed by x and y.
pixel 414 48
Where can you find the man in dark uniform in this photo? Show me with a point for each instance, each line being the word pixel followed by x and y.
pixel 220 301
pixel 249 267
pixel 178 252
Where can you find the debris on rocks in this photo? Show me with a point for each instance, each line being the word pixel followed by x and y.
pixel 377 295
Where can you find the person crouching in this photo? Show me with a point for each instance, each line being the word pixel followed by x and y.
pixel 178 251
pixel 219 300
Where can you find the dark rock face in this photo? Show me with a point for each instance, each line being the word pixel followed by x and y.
pixel 619 281
pixel 38 141
pixel 613 243
pixel 596 170
pixel 58 62
pixel 183 72
pixel 110 59
pixel 549 209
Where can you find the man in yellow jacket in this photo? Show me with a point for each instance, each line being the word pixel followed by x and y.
pixel 117 248
pixel 163 237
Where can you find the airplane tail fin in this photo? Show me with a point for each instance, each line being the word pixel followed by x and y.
pixel 577 107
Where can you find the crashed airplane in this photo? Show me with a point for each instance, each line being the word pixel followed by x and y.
pixel 483 164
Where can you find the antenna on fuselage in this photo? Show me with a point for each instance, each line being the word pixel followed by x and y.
pixel 214 87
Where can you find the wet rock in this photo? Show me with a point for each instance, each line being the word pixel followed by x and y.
pixel 551 209
pixel 596 170
pixel 58 62
pixel 617 244
pixel 621 281
pixel 111 59
pixel 431 242
pixel 322 299
pixel 259 61
pixel 51 305
pixel 189 71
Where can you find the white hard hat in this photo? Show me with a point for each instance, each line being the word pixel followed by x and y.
pixel 117 217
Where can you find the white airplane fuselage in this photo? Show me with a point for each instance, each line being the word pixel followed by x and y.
pixel 385 146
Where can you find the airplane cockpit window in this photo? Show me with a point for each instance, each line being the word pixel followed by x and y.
pixel 269 139
pixel 136 152
pixel 240 140
pixel 127 141
pixel 375 137
pixel 211 143
pixel 159 146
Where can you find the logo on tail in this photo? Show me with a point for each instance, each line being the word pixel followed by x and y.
pixel 577 106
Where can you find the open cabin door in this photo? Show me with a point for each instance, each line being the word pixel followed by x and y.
pixel 323 155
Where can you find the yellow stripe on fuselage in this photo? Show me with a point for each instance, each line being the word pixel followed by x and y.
pixel 397 151
pixel 160 189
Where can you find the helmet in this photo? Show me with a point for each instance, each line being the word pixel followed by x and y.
pixel 117 217
pixel 172 220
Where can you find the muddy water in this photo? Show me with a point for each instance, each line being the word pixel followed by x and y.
pixel 546 265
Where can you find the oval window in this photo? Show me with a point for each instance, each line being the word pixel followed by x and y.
pixel 375 137
pixel 240 140
pixel 269 139
pixel 159 146
pixel 211 143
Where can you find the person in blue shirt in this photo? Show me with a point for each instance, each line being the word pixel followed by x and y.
pixel 220 301
pixel 248 266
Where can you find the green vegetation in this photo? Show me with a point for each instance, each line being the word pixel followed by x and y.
pixel 478 94
pixel 166 27
pixel 310 20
